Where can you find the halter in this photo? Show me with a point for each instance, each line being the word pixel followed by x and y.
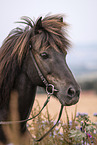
pixel 49 93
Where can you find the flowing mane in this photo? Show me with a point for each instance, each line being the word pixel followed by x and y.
pixel 16 46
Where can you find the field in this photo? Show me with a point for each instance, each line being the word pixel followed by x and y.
pixel 64 133
pixel 86 104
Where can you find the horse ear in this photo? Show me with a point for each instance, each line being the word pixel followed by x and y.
pixel 38 25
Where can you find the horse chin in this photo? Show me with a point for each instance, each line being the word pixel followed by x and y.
pixel 66 101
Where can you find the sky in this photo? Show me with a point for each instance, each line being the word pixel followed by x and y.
pixel 80 14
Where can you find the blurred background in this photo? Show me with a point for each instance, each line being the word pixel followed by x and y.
pixel 82 18
pixel 81 15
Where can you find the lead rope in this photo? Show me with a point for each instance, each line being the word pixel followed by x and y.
pixel 37 140
pixel 25 120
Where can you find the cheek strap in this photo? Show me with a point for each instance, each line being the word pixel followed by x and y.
pixel 50 89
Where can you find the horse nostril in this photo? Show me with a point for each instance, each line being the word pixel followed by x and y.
pixel 71 92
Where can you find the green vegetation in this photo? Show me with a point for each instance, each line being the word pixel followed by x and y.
pixel 79 131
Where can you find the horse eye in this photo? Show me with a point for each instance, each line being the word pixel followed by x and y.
pixel 44 55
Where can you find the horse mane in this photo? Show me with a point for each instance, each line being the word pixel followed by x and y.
pixel 41 34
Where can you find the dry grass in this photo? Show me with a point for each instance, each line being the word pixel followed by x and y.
pixel 47 118
pixel 86 104
pixel 69 131
pixel 12 131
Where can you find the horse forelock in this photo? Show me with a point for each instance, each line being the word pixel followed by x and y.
pixel 52 32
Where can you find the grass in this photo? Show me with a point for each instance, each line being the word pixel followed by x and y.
pixel 79 130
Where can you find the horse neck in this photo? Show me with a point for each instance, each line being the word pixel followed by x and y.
pixel 24 83
pixel 26 95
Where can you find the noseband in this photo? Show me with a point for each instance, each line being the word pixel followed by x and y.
pixel 49 93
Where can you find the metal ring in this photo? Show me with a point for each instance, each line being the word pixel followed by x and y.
pixel 51 92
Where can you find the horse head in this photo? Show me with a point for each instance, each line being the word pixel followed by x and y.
pixel 49 46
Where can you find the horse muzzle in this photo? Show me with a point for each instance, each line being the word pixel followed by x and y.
pixel 68 97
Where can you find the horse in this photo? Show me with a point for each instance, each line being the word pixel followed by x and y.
pixel 47 41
